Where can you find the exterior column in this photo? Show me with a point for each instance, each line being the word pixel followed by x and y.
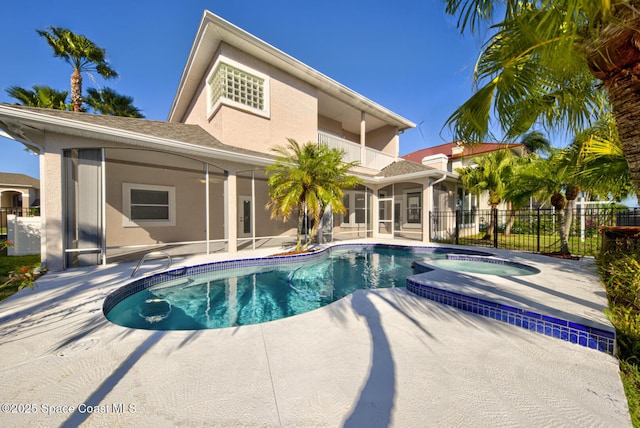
pixel 43 217
pixel 375 213
pixel 231 211
pixel 363 138
pixel 427 207
pixel 25 201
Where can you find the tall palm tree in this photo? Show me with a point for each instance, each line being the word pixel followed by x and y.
pixel 40 96
pixel 491 174
pixel 108 101
pixel 548 62
pixel 306 179
pixel 82 54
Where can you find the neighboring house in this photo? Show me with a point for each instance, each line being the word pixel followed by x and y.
pixel 449 157
pixel 115 187
pixel 18 192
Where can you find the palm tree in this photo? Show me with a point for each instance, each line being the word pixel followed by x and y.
pixel 550 179
pixel 108 101
pixel 602 168
pixel 305 180
pixel 41 96
pixel 82 54
pixel 491 174
pixel 536 142
pixel 548 63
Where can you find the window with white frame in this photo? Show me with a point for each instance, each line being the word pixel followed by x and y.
pixel 232 84
pixel 355 208
pixel 414 207
pixel 148 205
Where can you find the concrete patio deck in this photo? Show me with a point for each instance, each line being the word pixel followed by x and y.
pixel 376 358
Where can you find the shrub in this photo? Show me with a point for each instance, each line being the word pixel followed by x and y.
pixel 620 273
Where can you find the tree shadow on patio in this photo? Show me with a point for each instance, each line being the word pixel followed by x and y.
pixel 79 417
pixel 376 400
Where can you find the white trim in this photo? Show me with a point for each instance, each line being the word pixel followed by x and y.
pixel 126 205
pixel 352 194
pixel 405 208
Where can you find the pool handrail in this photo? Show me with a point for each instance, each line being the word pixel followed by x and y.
pixel 153 253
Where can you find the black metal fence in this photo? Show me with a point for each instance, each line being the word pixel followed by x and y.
pixel 20 212
pixel 535 230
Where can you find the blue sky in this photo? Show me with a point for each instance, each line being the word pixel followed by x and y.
pixel 407 55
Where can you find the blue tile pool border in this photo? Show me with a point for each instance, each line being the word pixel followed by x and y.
pixel 590 337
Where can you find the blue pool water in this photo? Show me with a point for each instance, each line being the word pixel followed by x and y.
pixel 252 295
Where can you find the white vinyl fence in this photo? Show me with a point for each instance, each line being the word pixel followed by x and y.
pixel 24 232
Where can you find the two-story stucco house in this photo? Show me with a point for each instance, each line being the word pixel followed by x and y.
pixel 114 188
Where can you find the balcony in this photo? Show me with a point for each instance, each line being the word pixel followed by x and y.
pixel 368 158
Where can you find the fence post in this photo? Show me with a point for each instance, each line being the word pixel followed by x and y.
pixel 495 227
pixel 458 212
pixel 538 246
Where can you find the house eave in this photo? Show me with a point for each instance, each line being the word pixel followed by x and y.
pixel 47 123
pixel 214 30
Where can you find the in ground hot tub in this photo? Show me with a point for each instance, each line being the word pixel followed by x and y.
pixel 474 264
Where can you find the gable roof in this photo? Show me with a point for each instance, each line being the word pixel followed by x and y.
pixel 176 137
pixel 467 150
pixel 10 179
pixel 214 30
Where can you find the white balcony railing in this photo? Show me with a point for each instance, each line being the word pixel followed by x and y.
pixel 351 149
pixel 374 159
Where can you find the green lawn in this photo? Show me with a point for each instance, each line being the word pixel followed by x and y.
pixel 529 242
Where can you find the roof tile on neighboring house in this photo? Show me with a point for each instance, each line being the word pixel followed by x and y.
pixel 449 148
pixel 9 179
pixel 182 132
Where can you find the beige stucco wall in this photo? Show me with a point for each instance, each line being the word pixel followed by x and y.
pixel 335 127
pixel 293 110
pixel 384 139
pixel 330 125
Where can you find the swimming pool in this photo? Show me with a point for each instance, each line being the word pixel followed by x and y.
pixel 253 291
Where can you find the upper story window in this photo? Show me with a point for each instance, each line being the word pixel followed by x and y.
pixel 232 84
